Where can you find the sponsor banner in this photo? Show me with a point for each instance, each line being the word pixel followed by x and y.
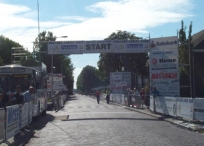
pixel 130 46
pixel 151 103
pixel 170 106
pixel 185 108
pixel 13 121
pixel 98 46
pixel 65 47
pixel 2 123
pixel 25 114
pixel 164 43
pixel 198 109
pixel 119 81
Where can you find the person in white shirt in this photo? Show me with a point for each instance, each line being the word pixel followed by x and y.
pixel 27 94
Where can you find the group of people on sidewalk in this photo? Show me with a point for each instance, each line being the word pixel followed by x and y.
pixel 16 98
pixel 143 95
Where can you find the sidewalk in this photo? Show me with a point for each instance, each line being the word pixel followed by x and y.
pixel 173 120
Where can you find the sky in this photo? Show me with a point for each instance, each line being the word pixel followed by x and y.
pixel 96 20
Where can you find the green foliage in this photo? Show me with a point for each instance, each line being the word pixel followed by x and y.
pixel 1 62
pixel 130 62
pixel 62 63
pixel 88 79
pixel 184 60
pixel 5 48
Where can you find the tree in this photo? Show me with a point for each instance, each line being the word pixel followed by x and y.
pixel 88 79
pixel 130 62
pixel 62 63
pixel 184 59
pixel 5 48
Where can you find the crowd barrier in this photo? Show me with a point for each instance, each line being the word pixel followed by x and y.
pixel 191 109
pixel 16 117
pixel 58 101
pixel 2 123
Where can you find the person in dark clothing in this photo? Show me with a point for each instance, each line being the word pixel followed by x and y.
pixel 17 97
pixel 5 99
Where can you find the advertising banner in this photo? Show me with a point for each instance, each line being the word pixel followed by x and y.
pixel 163 66
pixel 98 46
pixel 119 82
pixel 185 108
pixel 24 117
pixel 13 121
pixel 65 47
pixel 198 109
pixel 2 123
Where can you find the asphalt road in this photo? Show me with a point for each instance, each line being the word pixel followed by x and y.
pixel 93 124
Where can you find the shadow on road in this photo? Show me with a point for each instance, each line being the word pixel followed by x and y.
pixel 28 132
pixel 136 119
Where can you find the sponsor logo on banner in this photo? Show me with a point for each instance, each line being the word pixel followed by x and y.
pixel 164 66
pixel 162 53
pixel 162 75
pixel 164 60
pixel 163 43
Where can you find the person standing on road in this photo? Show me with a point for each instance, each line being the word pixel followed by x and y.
pixel 147 97
pixel 27 94
pixel 98 96
pixel 142 94
pixel 107 96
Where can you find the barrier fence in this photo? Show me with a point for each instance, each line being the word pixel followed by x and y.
pixel 2 123
pixel 58 101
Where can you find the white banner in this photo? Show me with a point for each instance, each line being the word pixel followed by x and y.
pixel 2 123
pixel 170 106
pixel 65 47
pixel 199 109
pixel 13 121
pixel 25 114
pixel 185 108
pixel 98 46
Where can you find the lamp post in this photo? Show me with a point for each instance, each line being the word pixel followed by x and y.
pixel 52 67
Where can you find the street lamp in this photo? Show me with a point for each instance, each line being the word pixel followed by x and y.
pixel 52 67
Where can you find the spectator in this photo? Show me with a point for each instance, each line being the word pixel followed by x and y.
pixel 142 94
pixel 136 92
pixel 98 96
pixel 107 96
pixel 27 94
pixel 155 92
pixel 17 97
pixel 147 97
